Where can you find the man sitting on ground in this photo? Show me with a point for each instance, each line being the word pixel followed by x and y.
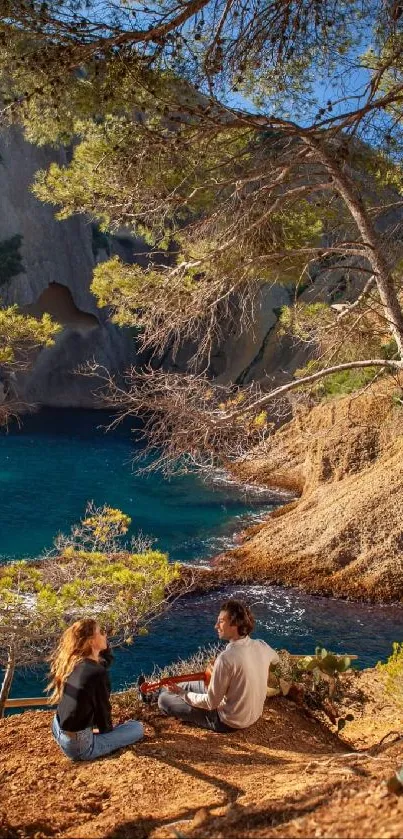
pixel 236 693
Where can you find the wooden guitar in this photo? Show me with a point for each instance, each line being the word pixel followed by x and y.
pixel 149 687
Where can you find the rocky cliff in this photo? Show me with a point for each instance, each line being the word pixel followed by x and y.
pixel 343 535
pixel 46 266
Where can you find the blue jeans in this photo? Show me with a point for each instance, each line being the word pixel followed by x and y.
pixel 174 706
pixel 86 745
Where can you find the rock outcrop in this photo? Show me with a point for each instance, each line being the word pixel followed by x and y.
pixel 50 270
pixel 46 266
pixel 246 355
pixel 343 535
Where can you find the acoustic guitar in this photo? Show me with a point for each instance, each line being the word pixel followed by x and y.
pixel 148 687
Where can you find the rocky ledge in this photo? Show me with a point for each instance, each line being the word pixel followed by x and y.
pixel 343 535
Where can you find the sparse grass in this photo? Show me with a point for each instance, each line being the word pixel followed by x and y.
pixel 199 661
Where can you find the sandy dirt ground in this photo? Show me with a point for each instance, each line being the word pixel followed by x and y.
pixel 289 775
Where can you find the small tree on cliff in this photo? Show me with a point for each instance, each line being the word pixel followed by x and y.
pixel 123 589
pixel 242 194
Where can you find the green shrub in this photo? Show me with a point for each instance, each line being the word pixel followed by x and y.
pixel 389 349
pixel 347 381
pixel 392 673
pixel 314 681
pixel 93 572
pixel 397 398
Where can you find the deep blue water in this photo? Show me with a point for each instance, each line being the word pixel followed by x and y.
pixel 59 460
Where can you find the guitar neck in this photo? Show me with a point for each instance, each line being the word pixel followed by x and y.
pixel 202 675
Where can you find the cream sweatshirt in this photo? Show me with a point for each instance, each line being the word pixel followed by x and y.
pixel 238 682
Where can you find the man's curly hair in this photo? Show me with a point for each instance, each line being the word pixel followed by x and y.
pixel 239 615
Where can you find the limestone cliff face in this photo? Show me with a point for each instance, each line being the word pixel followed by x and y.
pixel 50 271
pixel 55 379
pixel 343 536
pixel 246 356
pixel 55 261
pixel 244 349
pixel 46 266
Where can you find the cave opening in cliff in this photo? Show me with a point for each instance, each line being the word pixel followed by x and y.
pixel 57 301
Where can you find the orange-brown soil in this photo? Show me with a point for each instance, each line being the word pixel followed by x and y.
pixel 289 775
pixel 344 534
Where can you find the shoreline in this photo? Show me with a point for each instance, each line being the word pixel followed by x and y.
pixel 209 578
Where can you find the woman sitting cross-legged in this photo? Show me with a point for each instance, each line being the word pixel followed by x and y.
pixel 81 686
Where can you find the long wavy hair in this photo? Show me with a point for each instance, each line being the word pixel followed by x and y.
pixel 74 645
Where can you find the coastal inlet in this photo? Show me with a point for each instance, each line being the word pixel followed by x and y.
pixel 59 460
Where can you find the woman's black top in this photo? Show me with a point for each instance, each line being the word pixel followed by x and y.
pixel 85 699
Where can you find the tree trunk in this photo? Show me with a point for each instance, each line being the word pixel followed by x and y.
pixel 8 678
pixel 372 244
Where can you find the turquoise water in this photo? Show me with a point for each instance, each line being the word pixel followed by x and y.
pixel 59 460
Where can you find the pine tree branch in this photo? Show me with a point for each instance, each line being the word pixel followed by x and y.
pixel 314 377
